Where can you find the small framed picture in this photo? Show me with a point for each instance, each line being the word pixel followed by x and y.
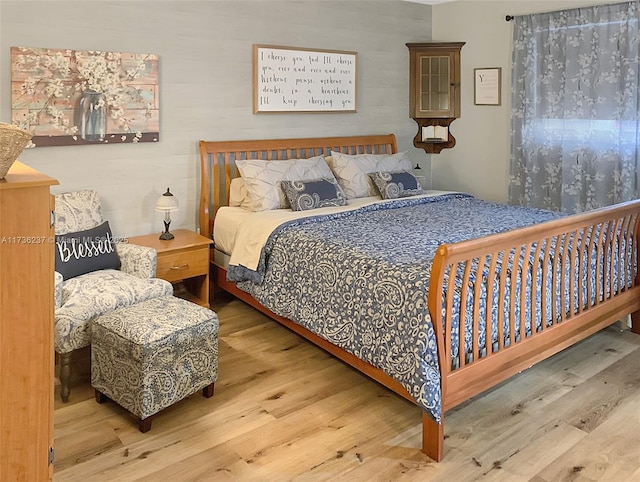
pixel 487 86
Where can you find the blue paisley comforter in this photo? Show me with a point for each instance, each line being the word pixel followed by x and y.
pixel 360 278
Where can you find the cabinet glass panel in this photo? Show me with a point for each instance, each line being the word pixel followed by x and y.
pixel 434 83
pixel 435 65
pixel 435 101
pixel 444 83
pixel 425 81
pixel 444 64
pixel 424 100
pixel 444 101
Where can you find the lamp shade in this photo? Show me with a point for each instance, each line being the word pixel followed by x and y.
pixel 167 202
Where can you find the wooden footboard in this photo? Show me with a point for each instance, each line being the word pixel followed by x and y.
pixel 574 276
pixel 564 273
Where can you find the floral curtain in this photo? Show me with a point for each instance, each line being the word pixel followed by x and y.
pixel 574 139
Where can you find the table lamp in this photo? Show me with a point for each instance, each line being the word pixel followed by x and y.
pixel 420 176
pixel 166 204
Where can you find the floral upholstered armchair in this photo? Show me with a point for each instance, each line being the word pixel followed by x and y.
pixel 94 275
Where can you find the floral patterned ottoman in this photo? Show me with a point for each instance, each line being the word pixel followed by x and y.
pixel 150 355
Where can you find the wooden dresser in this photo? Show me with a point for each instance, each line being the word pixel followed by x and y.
pixel 26 325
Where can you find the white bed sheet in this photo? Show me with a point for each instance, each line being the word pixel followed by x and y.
pixel 226 225
pixel 242 234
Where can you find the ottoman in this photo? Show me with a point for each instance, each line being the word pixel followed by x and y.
pixel 150 355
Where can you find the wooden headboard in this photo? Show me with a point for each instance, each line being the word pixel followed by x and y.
pixel 217 162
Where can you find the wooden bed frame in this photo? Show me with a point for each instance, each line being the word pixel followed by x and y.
pixel 610 232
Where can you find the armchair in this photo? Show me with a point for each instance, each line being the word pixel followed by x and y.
pixel 100 280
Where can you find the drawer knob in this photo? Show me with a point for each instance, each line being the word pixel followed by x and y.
pixel 182 266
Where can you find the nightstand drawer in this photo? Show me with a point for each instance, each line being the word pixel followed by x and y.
pixel 177 266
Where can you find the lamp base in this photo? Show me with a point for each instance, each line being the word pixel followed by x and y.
pixel 166 235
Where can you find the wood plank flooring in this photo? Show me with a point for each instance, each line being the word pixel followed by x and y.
pixel 285 410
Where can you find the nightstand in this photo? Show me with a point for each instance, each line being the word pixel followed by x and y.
pixel 184 261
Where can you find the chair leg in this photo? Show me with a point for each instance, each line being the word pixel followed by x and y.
pixel 207 391
pixel 65 376
pixel 145 425
pixel 100 397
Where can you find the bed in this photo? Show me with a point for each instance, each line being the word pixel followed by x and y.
pixel 494 304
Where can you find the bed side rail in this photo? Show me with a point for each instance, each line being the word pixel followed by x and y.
pixel 548 285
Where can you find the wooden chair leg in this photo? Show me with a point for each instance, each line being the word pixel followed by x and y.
pixel 207 391
pixel 100 397
pixel 65 376
pixel 145 425
pixel 433 437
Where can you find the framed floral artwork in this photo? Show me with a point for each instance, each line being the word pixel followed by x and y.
pixel 73 97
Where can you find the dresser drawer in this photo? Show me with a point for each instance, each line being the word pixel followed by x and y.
pixel 185 264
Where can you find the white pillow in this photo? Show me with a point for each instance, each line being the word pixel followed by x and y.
pixel 262 179
pixel 352 171
pixel 238 194
pixel 329 160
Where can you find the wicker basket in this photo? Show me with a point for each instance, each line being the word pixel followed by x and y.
pixel 12 141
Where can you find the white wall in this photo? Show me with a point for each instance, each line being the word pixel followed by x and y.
pixel 479 163
pixel 206 87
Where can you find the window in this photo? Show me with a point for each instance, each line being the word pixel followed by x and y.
pixel 574 143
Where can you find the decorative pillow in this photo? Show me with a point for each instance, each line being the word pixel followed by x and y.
pixel 238 194
pixel 263 178
pixel 351 170
pixel 393 185
pixel 85 251
pixel 317 193
pixel 329 161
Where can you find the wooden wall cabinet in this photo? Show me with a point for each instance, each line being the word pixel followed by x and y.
pixel 434 90
pixel 26 325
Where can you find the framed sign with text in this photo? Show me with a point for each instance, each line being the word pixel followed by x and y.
pixel 292 79
pixel 487 86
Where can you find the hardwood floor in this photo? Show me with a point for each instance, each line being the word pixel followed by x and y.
pixel 285 410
